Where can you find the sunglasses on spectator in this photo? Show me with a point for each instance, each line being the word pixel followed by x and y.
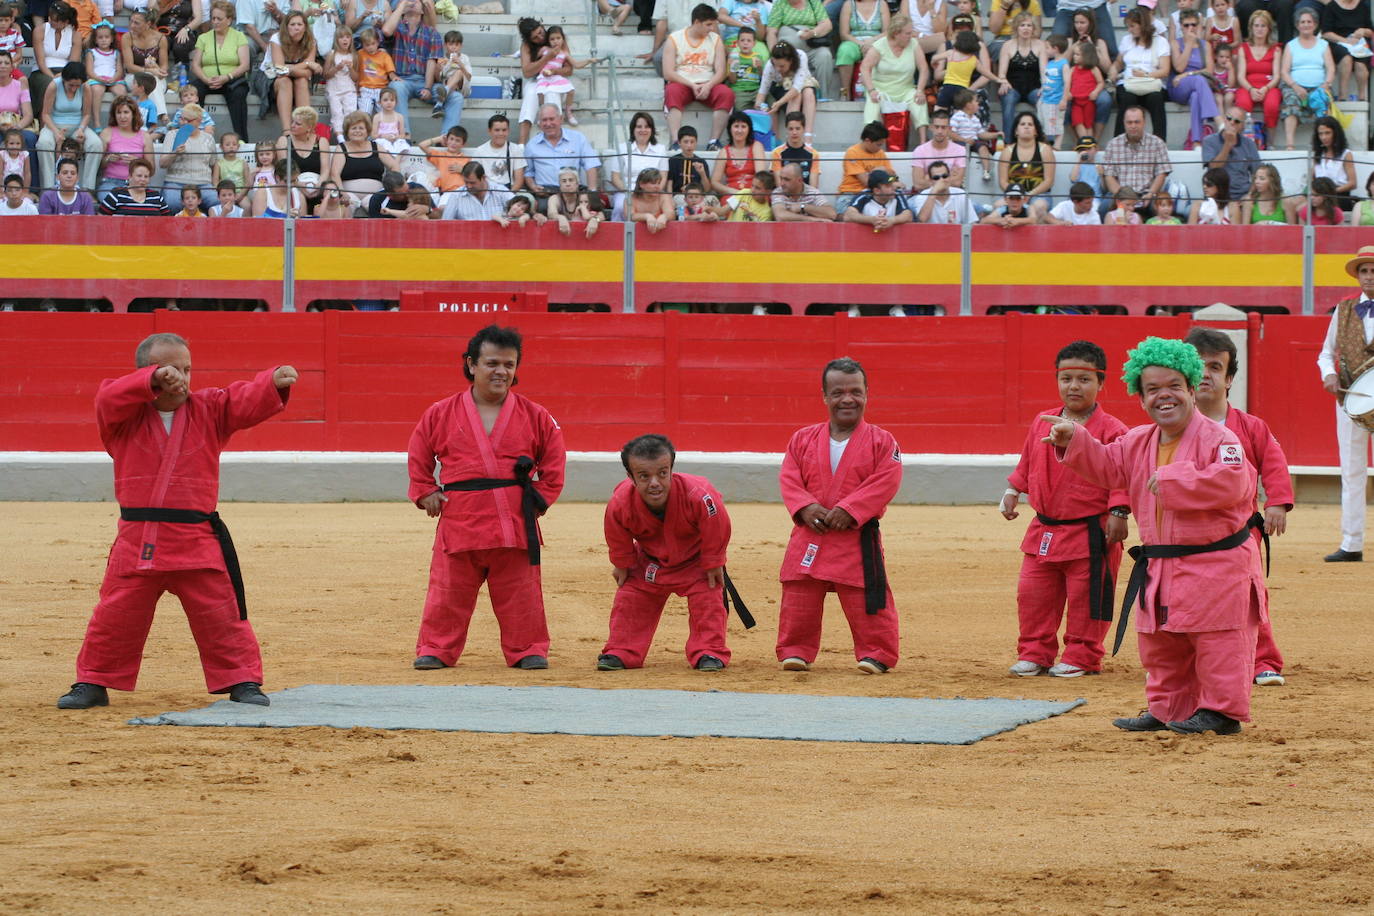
pixel 940 177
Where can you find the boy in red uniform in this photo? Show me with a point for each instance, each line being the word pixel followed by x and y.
pixel 667 534
pixel 500 459
pixel 165 442
pixel 1219 365
pixel 1073 547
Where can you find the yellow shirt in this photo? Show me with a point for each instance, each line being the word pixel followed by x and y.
pixel 1166 456
pixel 744 208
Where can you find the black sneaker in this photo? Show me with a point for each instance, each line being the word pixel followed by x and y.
pixel 871 666
pixel 248 692
pixel 1145 722
pixel 84 696
pixel 428 663
pixel 710 663
pixel 609 663
pixel 532 663
pixel 1345 556
pixel 1206 720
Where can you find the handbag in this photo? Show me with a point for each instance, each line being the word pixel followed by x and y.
pixel 897 124
pixel 1142 85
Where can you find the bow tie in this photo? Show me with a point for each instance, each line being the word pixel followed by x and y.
pixel 1365 308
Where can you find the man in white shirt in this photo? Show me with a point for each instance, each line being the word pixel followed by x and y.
pixel 1079 210
pixel 504 161
pixel 942 203
pixel 796 201
pixel 476 200
pixel 17 202
pixel 881 206
pixel 694 71
pixel 1348 346
pixel 938 148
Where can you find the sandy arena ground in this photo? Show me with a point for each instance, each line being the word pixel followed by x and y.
pixel 1067 815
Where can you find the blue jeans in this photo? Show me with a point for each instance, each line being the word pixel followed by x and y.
pixel 412 85
pixel 1009 102
pixel 1106 28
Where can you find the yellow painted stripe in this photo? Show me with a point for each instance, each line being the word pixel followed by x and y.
pixel 146 262
pixel 1078 269
pixel 459 264
pixel 870 268
pixel 1329 270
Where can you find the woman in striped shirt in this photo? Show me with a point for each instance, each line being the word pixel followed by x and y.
pixel 136 198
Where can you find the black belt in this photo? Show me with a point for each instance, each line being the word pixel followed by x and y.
pixel 1101 582
pixel 732 594
pixel 1144 553
pixel 1257 522
pixel 532 504
pixel 192 517
pixel 875 573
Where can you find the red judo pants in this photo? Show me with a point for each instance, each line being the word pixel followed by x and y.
pixel 1192 671
pixel 517 600
pixel 638 607
pixel 1042 592
pixel 799 622
pixel 1267 654
pixel 113 649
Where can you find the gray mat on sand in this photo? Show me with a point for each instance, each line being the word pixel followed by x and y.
pixel 583 711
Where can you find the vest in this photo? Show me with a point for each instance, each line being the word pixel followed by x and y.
pixel 1351 347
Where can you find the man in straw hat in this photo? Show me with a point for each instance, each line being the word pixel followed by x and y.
pixel 1349 345
pixel 1197 576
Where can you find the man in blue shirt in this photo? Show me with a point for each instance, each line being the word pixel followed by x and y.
pixel 556 147
pixel 419 48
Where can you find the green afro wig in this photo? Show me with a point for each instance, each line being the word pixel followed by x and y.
pixel 1170 354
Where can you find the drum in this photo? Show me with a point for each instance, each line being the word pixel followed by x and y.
pixel 1359 397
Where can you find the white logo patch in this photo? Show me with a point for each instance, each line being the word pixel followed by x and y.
pixel 710 505
pixel 810 557
pixel 651 572
pixel 1045 543
pixel 1231 455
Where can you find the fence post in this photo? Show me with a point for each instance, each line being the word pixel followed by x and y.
pixel 627 291
pixel 1309 267
pixel 965 269
pixel 288 263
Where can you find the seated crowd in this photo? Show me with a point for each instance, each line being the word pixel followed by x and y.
pixel 925 75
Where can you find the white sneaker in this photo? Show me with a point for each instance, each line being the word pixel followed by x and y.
pixel 1269 679
pixel 1024 668
pixel 795 664
pixel 1066 670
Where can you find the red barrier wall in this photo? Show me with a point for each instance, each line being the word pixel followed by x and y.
pixel 711 383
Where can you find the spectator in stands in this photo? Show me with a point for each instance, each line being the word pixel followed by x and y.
pixel 939 148
pixel 795 149
pixel 1346 25
pixel 1191 82
pixel 1018 65
pixel 1003 18
pixel 1332 159
pixel 795 201
pixel 882 206
pixel 145 51
pixel 1085 166
pixel 1011 211
pixel 219 65
pixel 740 159
pixel 869 154
pixel 738 14
pixel 188 96
pixel 181 20
pixel 964 65
pixel 335 203
pixel 573 201
pixel 642 151
pixel 190 202
pixel 258 20
pixel 1233 150
pixel 1084 25
pixel 943 202
pixel 1280 13
pixel 535 54
pixel 358 165
pixel 66 111
pixel 744 67
pixel 694 206
pixel 57 47
pixel 1104 27
pixel 136 198
pixel 394 200
pixel 1127 199
pixel 1266 203
pixel 1363 214
pixel 477 199
pixel 307 150
pixel 969 128
pixel 694 71
pixel 1028 162
pixel 389 126
pixel 788 86
pixel 340 88
pixel 1079 210
pixel 419 50
pixel 16 105
pixel 686 166
pixel 294 63
pixel 364 15
pixel 554 148
pixel 502 160
pixel 805 24
pixel 1322 209
pixel 227 197
pixel 279 198
pixel 862 22
pixel 650 204
pixel 187 160
pixel 1136 160
pixel 1216 207
pixel 751 204
pixel 15 160
pixel 1139 71
pixel 17 201
pixel 124 140
pixel 1307 67
pixel 929 18
pixel 894 74
pixel 1164 211
pixel 446 156
pixel 67 199
pixel 1257 70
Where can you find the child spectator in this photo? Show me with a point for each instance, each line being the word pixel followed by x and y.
pixel 17 201
pixel 1221 27
pixel 502 161
pixel 744 68
pixel 446 155
pixel 339 87
pixel 187 95
pixel 15 159
pixel 1085 166
pixel 1216 207
pixel 1223 76
pixel 228 194
pixel 373 70
pixel 229 167
pixel 144 84
pixel 686 166
pixel 752 204
pixel 1085 83
pixel 1323 211
pixel 1079 210
pixel 264 165
pixel 518 211
pixel 795 150
pixel 1164 211
pixel 11 39
pixel 190 202
pixel 105 65
pixel 1123 214
pixel 970 131
pixel 67 199
pixel 553 84
pixel 87 15
pixel 1053 86
pixel 389 128
pixel 692 205
pixel 868 154
pixel 963 66
pixel 789 83
pixel 455 74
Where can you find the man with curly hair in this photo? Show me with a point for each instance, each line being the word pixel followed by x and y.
pixel 1197 576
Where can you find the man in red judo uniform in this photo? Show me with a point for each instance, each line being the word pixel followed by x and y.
pixel 1197 575
pixel 165 442
pixel 1072 548
pixel 500 466
pixel 668 534
pixel 1219 365
pixel 837 478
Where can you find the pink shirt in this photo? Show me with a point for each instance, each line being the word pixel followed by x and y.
pixel 953 155
pixel 13 97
